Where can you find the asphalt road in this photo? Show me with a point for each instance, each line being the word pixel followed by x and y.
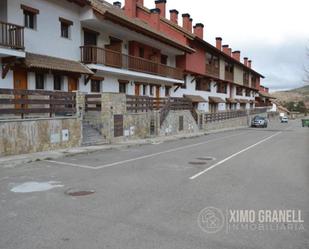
pixel 151 196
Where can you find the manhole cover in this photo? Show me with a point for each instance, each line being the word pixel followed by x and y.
pixel 205 158
pixel 74 192
pixel 197 163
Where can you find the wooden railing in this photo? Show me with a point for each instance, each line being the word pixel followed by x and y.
pixel 11 35
pixel 229 76
pixel 21 102
pixel 96 55
pixel 212 70
pixel 93 102
pixel 219 116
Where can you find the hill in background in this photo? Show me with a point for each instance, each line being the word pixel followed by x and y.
pixel 295 95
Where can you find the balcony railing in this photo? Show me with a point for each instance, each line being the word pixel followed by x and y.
pixel 212 70
pixel 96 55
pixel 11 35
pixel 229 76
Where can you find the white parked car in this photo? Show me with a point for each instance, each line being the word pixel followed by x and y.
pixel 284 120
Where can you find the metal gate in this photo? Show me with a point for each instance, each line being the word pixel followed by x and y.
pixel 118 125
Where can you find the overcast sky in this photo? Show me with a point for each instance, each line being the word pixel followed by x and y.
pixel 273 33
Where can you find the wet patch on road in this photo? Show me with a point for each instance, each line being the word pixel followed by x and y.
pixel 30 187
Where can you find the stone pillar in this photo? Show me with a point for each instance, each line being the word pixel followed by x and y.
pixel 80 104
pixel 112 104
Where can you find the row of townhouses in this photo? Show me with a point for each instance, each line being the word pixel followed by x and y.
pixel 95 46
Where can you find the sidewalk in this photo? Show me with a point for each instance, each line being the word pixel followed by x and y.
pixel 13 161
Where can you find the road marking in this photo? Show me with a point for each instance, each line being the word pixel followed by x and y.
pixel 232 156
pixel 142 157
pixel 70 164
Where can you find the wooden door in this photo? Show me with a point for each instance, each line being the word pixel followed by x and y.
pixel 137 89
pixel 113 55
pixel 72 84
pixel 20 82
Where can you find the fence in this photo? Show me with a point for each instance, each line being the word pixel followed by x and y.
pixel 21 102
pixel 11 35
pixel 219 116
pixel 93 102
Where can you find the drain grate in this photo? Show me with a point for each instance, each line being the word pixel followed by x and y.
pixel 197 163
pixel 205 158
pixel 74 192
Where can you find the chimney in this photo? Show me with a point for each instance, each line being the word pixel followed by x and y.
pixel 230 52
pixel 161 4
pixel 130 8
pixel 140 2
pixel 174 16
pixel 117 4
pixel 199 30
pixel 236 55
pixel 190 24
pixel 185 21
pixel 246 61
pixel 219 43
pixel 155 18
pixel 249 63
pixel 225 49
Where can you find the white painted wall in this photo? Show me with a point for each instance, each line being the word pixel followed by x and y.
pixel 46 38
pixel 3 10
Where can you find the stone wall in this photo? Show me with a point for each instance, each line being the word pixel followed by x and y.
pixel 35 135
pixel 172 126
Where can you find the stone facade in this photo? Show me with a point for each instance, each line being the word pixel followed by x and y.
pixel 172 124
pixel 28 136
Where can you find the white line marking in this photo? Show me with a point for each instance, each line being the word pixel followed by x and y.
pixel 143 157
pixel 234 155
pixel 71 164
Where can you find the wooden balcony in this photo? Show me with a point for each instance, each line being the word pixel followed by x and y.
pixel 96 55
pixel 213 71
pixel 11 36
pixel 229 76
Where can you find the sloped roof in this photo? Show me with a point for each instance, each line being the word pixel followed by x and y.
pixel 195 98
pixel 266 95
pixel 231 100
pixel 216 100
pixel 113 13
pixel 55 64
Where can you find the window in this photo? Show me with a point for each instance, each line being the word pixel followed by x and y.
pixel 246 78
pixel 248 93
pixel 39 81
pixel 212 60
pixel 65 27
pixel 253 81
pixel 95 86
pixel 167 91
pixel 221 88
pixel 90 37
pixel 29 20
pixel 141 52
pixel 57 82
pixel 144 90
pixel 239 91
pixel 122 87
pixel 164 59
pixel 229 67
pixel 151 90
pixel 202 84
pixel 30 16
